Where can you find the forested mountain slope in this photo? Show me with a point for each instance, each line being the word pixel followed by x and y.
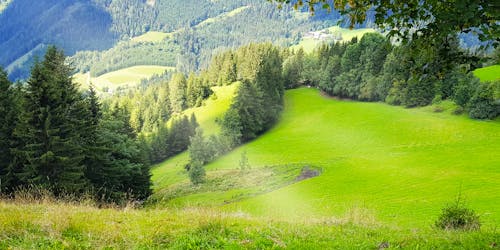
pixel 71 24
pixel 197 30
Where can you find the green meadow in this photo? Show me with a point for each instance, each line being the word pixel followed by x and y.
pixel 385 173
pixel 151 36
pixel 385 164
pixel 126 77
pixel 490 73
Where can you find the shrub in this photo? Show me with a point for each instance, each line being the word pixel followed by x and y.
pixel 457 216
pixel 482 103
pixel 196 173
pixel 438 109
pixel 458 111
pixel 437 99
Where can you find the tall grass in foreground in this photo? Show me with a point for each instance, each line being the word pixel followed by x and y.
pixel 28 223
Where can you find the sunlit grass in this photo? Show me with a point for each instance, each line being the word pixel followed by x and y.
pixel 402 165
pixel 490 73
pixel 223 16
pixel 126 77
pixel 58 225
pixel 151 36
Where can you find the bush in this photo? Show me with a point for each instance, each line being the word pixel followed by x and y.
pixel 482 103
pixel 457 216
pixel 458 111
pixel 438 109
pixel 196 173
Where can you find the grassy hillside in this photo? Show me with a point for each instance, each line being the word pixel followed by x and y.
pixel 490 73
pixel 386 172
pixel 151 36
pixel 392 165
pixel 121 78
pixel 50 225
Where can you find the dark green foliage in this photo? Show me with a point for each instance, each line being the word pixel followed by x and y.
pixel 404 19
pixel 149 104
pixel 192 46
pixel 197 90
pixel 464 89
pixel 9 108
pixel 196 173
pixel 72 25
pixel 419 92
pixel 246 112
pixel 412 74
pixel 457 216
pixel 483 104
pixel 259 98
pixel 350 70
pixel 293 67
pixel 64 142
pixel 50 127
pixel 170 141
pixel 177 95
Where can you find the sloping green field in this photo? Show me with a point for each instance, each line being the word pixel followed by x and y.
pixel 151 36
pixel 388 164
pixel 126 77
pixel 490 73
pixel 386 172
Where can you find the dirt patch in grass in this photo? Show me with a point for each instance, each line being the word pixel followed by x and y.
pixel 307 173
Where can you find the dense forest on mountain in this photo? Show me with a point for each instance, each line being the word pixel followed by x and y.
pixel 191 47
pixel 72 25
pixel 92 26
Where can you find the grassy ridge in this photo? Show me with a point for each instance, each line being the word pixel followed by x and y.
pixel 398 166
pixel 55 225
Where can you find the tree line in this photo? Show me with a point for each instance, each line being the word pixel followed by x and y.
pixel 59 139
pixel 412 75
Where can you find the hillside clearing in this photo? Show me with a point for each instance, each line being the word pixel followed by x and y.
pixel 151 36
pixel 222 16
pixel 123 78
pixel 309 43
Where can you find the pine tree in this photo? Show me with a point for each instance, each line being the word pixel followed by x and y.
pixel 8 118
pixel 178 87
pixel 50 129
pixel 196 173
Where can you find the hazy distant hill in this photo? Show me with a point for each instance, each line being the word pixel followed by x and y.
pixel 71 24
